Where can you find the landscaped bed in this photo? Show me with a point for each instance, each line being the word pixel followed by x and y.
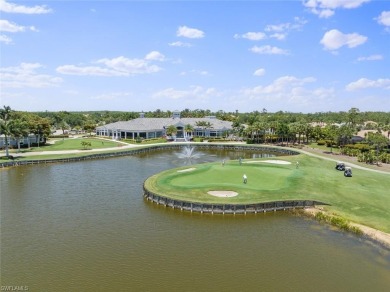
pixel 363 198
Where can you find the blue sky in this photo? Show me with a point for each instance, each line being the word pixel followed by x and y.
pixel 296 56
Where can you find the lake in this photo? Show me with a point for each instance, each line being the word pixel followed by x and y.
pixel 85 226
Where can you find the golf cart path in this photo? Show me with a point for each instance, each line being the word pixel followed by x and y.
pixel 347 163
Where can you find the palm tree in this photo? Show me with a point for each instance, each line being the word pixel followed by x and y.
pixel 386 128
pixel 282 130
pixel 5 129
pixel 256 128
pixel 353 116
pixel 171 130
pixel 18 130
pixel 301 130
pixel 317 133
pixel 308 130
pixel 189 129
pixel 261 127
pixel 345 133
pixel 203 125
pixel 265 127
pixel 238 128
pixel 293 130
pixel 248 132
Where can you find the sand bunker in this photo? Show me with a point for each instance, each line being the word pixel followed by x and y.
pixel 223 194
pixel 187 169
pixel 270 161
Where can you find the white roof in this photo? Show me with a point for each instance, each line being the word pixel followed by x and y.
pixel 150 124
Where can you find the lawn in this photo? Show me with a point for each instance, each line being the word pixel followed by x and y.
pixel 75 144
pixel 363 198
pixel 324 148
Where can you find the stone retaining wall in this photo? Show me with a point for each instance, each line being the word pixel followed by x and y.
pixel 228 208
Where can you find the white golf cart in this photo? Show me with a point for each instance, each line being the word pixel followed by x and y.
pixel 348 172
pixel 340 166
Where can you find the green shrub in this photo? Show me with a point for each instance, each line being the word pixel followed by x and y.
pixel 321 142
pixel 355 230
pixel 218 139
pixel 58 136
pixel 329 143
pixel 339 222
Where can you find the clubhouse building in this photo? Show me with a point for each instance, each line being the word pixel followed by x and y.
pixel 148 128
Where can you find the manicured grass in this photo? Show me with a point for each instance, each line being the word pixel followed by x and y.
pixel 75 144
pixel 324 148
pixel 363 198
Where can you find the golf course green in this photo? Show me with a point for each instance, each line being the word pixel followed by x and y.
pixel 363 198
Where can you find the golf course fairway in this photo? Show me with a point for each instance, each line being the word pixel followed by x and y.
pixel 363 198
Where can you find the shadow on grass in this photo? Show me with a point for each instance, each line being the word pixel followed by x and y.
pixel 11 158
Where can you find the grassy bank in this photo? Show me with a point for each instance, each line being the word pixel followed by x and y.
pixel 75 144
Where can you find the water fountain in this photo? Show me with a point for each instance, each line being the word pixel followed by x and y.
pixel 188 153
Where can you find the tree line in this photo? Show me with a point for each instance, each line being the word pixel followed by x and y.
pixel 331 128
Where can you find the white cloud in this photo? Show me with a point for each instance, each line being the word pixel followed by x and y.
pixel 88 70
pixel 290 92
pixel 197 72
pixel 8 26
pixel 112 96
pixel 371 58
pixel 129 66
pixel 363 83
pixel 287 26
pixel 15 8
pixel 71 92
pixel 384 18
pixel 155 56
pixel 187 32
pixel 172 93
pixel 120 66
pixel 277 27
pixel 5 39
pixel 26 75
pixel 259 72
pixel 180 44
pixel 282 84
pixel 334 39
pixel 253 36
pixel 268 50
pixel 279 36
pixel 193 93
pixel 277 31
pixel 324 13
pixel 326 8
pixel 11 27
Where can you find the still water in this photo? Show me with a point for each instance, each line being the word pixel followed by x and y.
pixel 84 226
